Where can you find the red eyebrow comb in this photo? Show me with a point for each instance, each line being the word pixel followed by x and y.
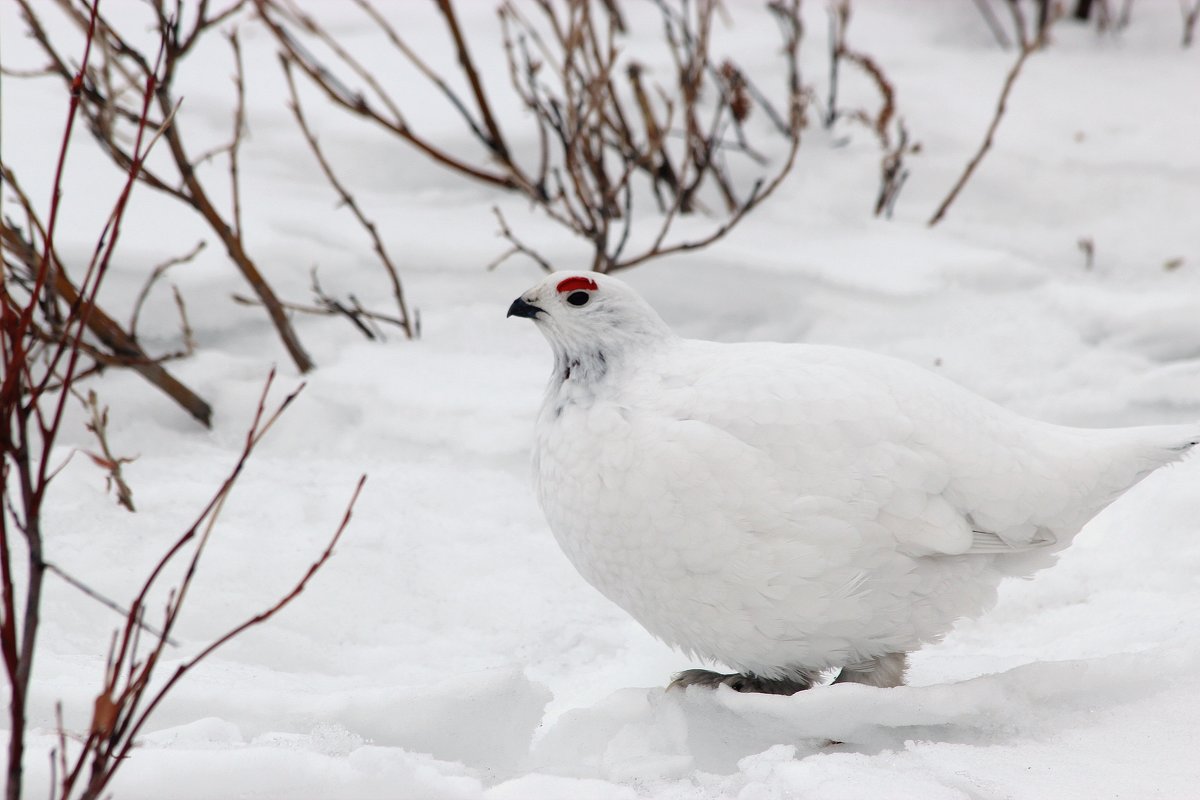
pixel 576 283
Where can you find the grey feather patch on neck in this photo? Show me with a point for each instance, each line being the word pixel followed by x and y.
pixel 588 367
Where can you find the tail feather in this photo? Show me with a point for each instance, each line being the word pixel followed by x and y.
pixel 1092 468
pixel 1159 444
pixel 1128 455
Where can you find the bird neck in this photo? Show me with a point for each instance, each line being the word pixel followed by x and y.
pixel 581 366
pixel 586 361
pixel 589 367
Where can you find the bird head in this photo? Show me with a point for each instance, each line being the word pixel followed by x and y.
pixel 589 319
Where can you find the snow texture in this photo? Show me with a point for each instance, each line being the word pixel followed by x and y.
pixel 449 650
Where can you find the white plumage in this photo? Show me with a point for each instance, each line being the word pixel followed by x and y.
pixel 784 508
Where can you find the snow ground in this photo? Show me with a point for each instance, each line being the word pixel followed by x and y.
pixel 449 650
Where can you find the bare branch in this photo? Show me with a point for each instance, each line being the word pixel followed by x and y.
pixel 348 199
pixel 134 716
pixel 155 274
pixel 354 102
pixel 101 106
pixel 1028 48
pixel 106 602
pixel 122 349
pixel 563 66
pixel 98 425
pixel 517 246
pixel 327 306
pixel 1191 15
pixel 993 23
pixel 239 126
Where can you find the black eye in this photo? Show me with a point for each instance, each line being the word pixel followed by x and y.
pixel 578 298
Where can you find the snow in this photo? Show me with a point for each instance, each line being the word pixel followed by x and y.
pixel 448 649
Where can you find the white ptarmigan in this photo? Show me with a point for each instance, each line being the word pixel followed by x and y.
pixel 785 508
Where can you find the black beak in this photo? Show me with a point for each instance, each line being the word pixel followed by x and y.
pixel 520 308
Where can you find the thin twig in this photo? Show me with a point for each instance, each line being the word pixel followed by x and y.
pixel 239 126
pixel 123 350
pixel 30 419
pixel 993 23
pixel 185 327
pixel 118 754
pixel 100 109
pixel 355 102
pixel 1190 17
pixel 517 245
pixel 347 198
pixel 155 274
pixel 98 425
pixel 328 307
pixel 106 602
pixel 563 65
pixel 1027 49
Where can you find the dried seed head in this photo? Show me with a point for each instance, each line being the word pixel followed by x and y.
pixel 739 98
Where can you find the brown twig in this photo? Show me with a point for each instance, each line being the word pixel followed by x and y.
pixel 31 416
pixel 564 63
pixel 993 23
pixel 239 126
pixel 274 15
pixel 129 697
pixel 839 19
pixel 185 327
pixel 517 246
pixel 155 274
pixel 1029 46
pixel 1191 15
pixel 1087 246
pixel 103 109
pixel 122 349
pixel 107 603
pixel 135 725
pixel 880 121
pixel 328 306
pixel 893 173
pixel 348 199
pixel 98 425
pixel 494 139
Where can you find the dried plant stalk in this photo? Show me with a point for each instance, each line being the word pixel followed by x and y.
pixel 1030 43
pixel 35 382
pixel 103 103
pixel 602 134
pixel 892 170
pixel 128 696
pixel 314 145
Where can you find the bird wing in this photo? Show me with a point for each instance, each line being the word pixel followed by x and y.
pixel 944 471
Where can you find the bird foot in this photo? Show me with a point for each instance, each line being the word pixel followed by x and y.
pixel 885 672
pixel 739 682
